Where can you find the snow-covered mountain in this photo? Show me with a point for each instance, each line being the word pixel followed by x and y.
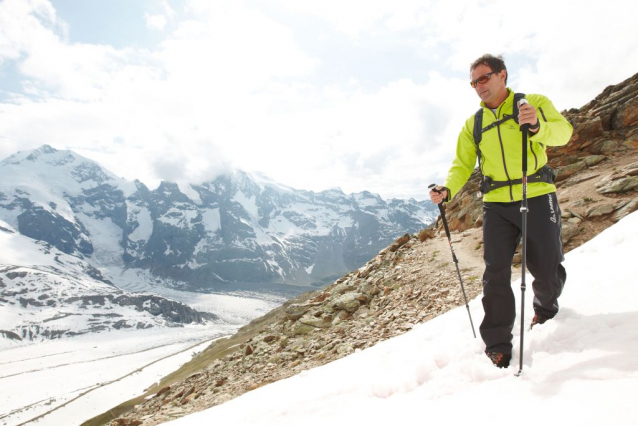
pixel 45 293
pixel 239 228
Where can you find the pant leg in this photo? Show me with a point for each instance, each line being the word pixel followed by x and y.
pixel 501 235
pixel 545 253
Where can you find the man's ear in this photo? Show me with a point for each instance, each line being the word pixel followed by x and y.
pixel 503 76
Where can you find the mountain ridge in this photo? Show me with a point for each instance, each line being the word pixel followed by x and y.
pixel 232 229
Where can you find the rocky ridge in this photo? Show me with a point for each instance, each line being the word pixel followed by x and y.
pixel 410 282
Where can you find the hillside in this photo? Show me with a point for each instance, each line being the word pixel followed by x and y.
pixel 410 282
pixel 579 368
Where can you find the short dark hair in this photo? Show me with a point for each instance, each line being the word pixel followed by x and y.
pixel 496 64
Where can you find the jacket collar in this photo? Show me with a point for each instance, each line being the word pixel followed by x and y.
pixel 510 99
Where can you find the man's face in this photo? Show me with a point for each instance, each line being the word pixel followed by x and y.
pixel 491 91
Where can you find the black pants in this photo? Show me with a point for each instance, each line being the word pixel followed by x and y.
pixel 501 235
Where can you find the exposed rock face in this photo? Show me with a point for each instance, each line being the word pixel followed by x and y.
pixel 597 169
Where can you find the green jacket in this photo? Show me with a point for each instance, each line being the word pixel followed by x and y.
pixel 501 150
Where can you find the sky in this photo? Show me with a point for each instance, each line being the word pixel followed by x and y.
pixel 356 94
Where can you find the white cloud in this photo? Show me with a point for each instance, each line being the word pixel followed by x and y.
pixel 156 22
pixel 237 85
pixel 21 25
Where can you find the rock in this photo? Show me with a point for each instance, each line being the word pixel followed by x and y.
pixel 313 321
pixel 249 350
pixel 350 302
pixel 188 398
pixel 188 395
pixel 399 242
pixel 576 214
pixel 299 329
pixel 619 186
pixel 126 422
pixel 567 171
pixel 591 129
pixel 162 391
pixel 592 160
pixel 341 315
pixel 365 271
pixel 627 115
pixel 296 311
pixel 569 231
pixel 426 234
pixel 270 338
pixel 609 146
pixel 601 210
pixel 629 208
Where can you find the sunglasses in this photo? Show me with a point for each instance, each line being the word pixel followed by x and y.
pixel 482 79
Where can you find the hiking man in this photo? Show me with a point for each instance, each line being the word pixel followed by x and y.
pixel 500 160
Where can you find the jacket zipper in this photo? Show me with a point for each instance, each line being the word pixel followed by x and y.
pixel 543 114
pixel 500 140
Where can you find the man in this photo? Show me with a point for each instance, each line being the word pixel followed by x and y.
pixel 500 160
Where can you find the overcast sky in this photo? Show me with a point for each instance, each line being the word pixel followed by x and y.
pixel 356 94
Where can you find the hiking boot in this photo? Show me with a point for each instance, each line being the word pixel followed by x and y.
pixel 538 319
pixel 498 359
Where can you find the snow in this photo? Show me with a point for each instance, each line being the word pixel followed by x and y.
pixel 212 220
pixel 233 308
pixel 264 182
pixel 248 203
pixel 106 237
pixel 143 216
pixel 579 368
pixel 188 190
pixel 82 377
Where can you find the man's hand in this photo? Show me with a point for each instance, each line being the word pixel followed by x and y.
pixel 438 197
pixel 527 115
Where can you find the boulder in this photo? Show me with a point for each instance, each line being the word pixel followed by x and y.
pixel 601 210
pixel 350 302
pixel 626 184
pixel 629 208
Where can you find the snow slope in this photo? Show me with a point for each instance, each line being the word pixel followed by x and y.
pixel 580 368
pixel 67 381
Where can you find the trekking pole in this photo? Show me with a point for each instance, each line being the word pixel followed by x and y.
pixel 456 262
pixel 524 210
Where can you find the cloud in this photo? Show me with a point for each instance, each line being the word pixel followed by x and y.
pixel 156 22
pixel 259 85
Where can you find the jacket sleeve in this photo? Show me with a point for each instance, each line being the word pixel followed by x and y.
pixel 464 162
pixel 555 130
